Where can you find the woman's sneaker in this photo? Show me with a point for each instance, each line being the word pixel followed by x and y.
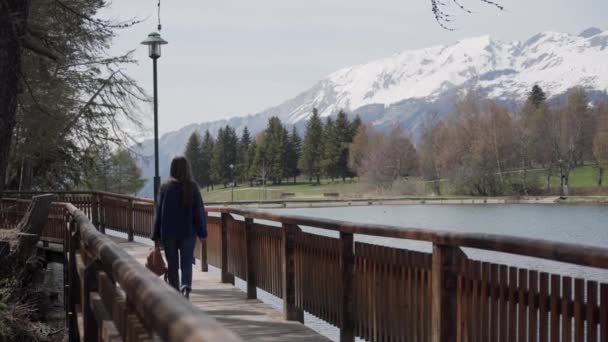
pixel 186 292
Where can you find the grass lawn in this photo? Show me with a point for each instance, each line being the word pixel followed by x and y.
pixel 273 192
pixel 581 177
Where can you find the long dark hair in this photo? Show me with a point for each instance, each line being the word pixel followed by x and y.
pixel 182 173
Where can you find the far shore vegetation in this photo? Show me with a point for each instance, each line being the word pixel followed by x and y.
pixel 481 149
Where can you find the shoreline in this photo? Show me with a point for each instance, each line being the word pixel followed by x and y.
pixel 322 203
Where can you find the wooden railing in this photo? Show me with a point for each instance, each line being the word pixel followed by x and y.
pixel 382 293
pixel 108 295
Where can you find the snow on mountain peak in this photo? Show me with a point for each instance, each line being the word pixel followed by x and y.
pixel 557 61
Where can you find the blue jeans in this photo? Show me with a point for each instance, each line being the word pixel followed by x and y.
pixel 180 252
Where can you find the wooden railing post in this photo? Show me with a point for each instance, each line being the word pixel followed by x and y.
pixel 101 213
pixel 95 212
pixel 130 220
pixel 203 242
pixel 347 262
pixel 251 281
pixel 204 263
pixel 226 277
pixel 291 312
pixel 91 328
pixel 444 277
pixel 73 282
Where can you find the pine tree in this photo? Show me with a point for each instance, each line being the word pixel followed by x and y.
pixel 224 155
pixel 294 151
pixel 193 152
pixel 243 156
pixel 343 137
pixel 260 166
pixel 275 149
pixel 219 158
pixel 251 153
pixel 331 149
pixel 537 96
pixel 207 148
pixel 312 149
pixel 354 126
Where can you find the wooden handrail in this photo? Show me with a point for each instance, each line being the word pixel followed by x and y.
pixel 161 310
pixel 591 256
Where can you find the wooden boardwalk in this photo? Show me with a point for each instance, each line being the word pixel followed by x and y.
pixel 251 319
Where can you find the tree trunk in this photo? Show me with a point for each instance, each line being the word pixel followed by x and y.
pixel 13 19
pixel 601 175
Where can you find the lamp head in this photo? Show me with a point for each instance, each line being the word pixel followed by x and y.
pixel 154 41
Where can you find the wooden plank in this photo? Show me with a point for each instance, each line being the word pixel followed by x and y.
pixel 543 325
pixel 468 277
pixel 347 256
pixel 579 301
pixel 290 311
pixel 522 326
pixel 554 313
pixel 476 318
pixel 485 301
pixel 590 315
pixel 494 302
pixel 503 304
pixel 604 312
pixel 446 261
pixel 533 307
pixel 566 310
pixel 410 297
pixel 250 263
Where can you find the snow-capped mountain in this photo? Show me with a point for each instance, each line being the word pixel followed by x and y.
pixel 403 88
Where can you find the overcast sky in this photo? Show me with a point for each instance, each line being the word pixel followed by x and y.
pixel 227 57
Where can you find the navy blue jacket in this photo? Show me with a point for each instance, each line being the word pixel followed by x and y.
pixel 174 221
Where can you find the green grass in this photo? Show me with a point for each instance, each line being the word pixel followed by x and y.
pixel 585 176
pixel 581 177
pixel 302 191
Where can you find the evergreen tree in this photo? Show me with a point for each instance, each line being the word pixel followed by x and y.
pixel 343 137
pixel 274 146
pixel 294 151
pixel 226 154
pixel 194 153
pixel 220 164
pixel 243 156
pixel 114 172
pixel 537 96
pixel 260 166
pixel 207 156
pixel 312 149
pixel 251 171
pixel 331 149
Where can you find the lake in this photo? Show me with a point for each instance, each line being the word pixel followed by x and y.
pixel 580 224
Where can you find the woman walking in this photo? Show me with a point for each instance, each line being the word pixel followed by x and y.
pixel 178 219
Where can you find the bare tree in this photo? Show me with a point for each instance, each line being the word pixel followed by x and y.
pixel 600 141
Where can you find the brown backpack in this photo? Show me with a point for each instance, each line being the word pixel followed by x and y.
pixel 156 263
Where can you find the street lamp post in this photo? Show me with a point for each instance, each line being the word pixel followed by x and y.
pixel 232 181
pixel 154 42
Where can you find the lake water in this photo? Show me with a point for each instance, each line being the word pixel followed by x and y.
pixel 579 224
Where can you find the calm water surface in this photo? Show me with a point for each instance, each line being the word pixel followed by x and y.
pixel 580 224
